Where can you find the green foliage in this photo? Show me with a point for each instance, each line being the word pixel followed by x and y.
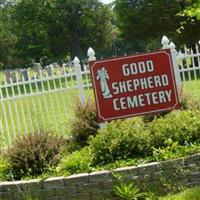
pixel 119 140
pixel 180 126
pixel 189 194
pixel 85 123
pixel 77 162
pixel 193 10
pixel 121 143
pixel 32 154
pixel 150 117
pixel 138 21
pixel 187 102
pixel 52 29
pixel 128 139
pixel 7 38
pixel 5 170
pixel 127 190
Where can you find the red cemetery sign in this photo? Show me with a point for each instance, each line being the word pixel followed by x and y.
pixel 134 85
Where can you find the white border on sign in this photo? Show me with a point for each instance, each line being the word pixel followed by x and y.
pixel 140 113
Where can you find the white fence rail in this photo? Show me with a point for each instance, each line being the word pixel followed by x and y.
pixel 44 99
pixel 189 67
pixel 41 102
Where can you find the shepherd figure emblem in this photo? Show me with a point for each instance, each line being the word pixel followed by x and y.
pixel 102 75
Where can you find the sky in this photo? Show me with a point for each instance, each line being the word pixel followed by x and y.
pixel 106 1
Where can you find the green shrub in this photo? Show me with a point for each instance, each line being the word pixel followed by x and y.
pixel 77 162
pixel 133 139
pixel 119 140
pixel 85 123
pixel 151 117
pixel 187 102
pixel 180 126
pixel 5 170
pixel 32 154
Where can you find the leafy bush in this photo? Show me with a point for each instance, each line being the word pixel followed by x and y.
pixel 150 117
pixel 133 139
pixel 174 150
pixel 85 123
pixel 187 102
pixel 77 162
pixel 32 154
pixel 119 140
pixel 180 126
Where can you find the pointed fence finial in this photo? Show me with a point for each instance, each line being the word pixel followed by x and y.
pixel 165 42
pixel 76 61
pixel 172 45
pixel 91 54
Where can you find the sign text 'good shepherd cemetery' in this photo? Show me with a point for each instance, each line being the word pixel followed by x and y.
pixel 134 85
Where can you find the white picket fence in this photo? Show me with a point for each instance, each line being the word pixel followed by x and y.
pixel 44 102
pixel 31 102
pixel 188 67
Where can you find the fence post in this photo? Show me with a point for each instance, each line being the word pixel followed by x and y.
pixel 91 57
pixel 166 45
pixel 79 79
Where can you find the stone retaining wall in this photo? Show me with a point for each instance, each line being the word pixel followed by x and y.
pixel 157 176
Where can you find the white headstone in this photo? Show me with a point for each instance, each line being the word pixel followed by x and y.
pixel 7 74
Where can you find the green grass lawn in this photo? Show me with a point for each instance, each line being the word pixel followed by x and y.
pixel 52 111
pixel 192 87
pixel 189 194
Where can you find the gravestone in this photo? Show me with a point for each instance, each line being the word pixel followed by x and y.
pixel 7 74
pixel 14 76
pixel 24 74
pixel 38 69
pixel 49 70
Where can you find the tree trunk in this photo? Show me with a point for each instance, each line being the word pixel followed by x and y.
pixel 74 43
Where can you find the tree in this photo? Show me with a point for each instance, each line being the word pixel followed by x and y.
pixel 31 19
pixel 85 22
pixel 189 29
pixel 52 28
pixel 193 10
pixel 7 38
pixel 148 20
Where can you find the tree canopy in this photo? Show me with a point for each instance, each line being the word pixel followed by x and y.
pixel 56 28
pixel 35 30
pixel 149 20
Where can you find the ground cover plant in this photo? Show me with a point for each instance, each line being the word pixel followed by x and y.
pixel 129 191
